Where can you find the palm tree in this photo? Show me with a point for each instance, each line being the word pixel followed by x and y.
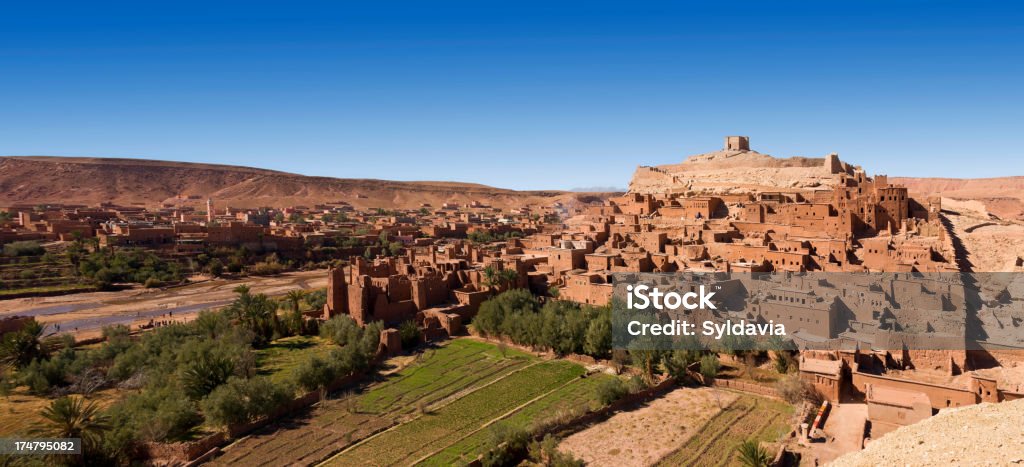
pixel 752 454
pixel 508 277
pixel 256 312
pixel 490 277
pixel 205 373
pixel 21 347
pixel 73 417
pixel 295 296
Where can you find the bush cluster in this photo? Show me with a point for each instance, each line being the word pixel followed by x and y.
pixel 128 266
pixel 561 326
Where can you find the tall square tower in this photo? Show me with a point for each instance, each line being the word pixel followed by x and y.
pixel 737 143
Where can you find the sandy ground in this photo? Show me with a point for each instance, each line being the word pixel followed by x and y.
pixel 984 434
pixel 843 431
pixel 992 245
pixel 641 437
pixel 85 314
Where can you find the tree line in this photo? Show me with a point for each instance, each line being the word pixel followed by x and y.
pixel 178 377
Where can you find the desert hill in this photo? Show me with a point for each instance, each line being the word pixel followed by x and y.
pixel 735 171
pixel 1002 196
pixel 90 181
pixel 738 171
pixel 984 434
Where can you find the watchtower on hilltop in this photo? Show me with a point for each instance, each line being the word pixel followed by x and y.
pixel 737 143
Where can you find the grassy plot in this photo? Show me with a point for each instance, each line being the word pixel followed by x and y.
pixel 457 367
pixel 439 373
pixel 282 356
pixel 20 411
pixel 437 430
pixel 578 395
pixel 749 417
pixel 60 288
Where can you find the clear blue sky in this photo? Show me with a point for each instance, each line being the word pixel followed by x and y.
pixel 516 94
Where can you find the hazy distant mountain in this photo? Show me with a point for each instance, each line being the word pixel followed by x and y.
pixel 77 180
pixel 599 189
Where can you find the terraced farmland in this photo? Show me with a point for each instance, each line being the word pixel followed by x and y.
pixel 578 394
pixel 438 379
pixel 39 274
pixel 749 417
pixel 435 431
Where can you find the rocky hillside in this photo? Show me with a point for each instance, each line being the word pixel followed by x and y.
pixel 738 171
pixel 1002 196
pixel 985 434
pixel 733 171
pixel 72 180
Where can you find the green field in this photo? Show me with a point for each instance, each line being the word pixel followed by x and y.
pixel 579 394
pixel 438 429
pixel 279 359
pixel 749 417
pixel 438 379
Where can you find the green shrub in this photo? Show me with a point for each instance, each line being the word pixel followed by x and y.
pixel 507 442
pixel 158 413
pixel 23 346
pixel 561 326
pixel 215 268
pixel 204 374
pixel 709 367
pixel 244 400
pixel 128 266
pixel 611 391
pixel 266 268
pixel 41 376
pixel 751 454
pixel 316 299
pixel 410 334
pixel 24 248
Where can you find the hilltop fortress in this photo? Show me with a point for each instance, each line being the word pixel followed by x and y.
pixel 738 169
pixel 737 209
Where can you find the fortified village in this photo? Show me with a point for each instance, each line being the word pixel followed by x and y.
pixel 870 338
pixel 920 339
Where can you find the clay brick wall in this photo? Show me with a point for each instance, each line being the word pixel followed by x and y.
pixel 941 397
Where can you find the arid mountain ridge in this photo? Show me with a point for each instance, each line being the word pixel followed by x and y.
pixel 91 181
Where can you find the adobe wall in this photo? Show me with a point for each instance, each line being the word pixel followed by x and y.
pixel 183 451
pixel 744 386
pixel 829 388
pixel 941 397
pixel 13 324
pixel 651 180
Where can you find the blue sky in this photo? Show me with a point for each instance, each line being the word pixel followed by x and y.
pixel 521 94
